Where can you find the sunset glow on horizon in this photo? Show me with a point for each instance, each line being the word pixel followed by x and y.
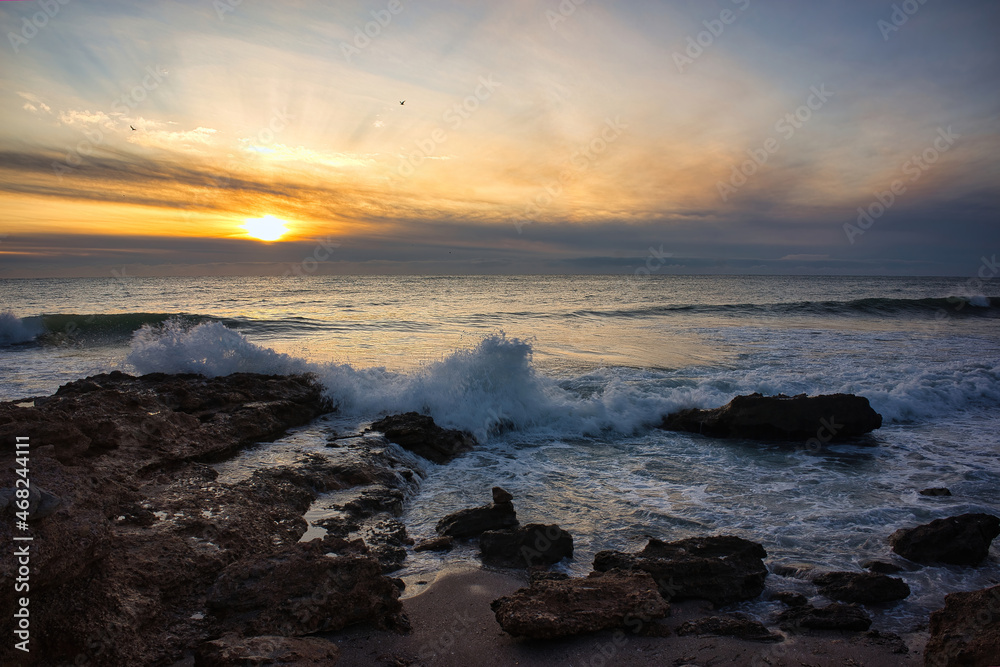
pixel 478 138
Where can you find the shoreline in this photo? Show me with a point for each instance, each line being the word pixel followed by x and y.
pixel 453 626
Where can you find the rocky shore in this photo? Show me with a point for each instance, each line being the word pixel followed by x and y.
pixel 141 554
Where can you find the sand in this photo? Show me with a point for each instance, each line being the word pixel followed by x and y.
pixel 453 625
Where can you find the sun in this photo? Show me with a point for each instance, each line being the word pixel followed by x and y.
pixel 268 228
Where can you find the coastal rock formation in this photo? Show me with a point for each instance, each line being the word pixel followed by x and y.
pixel 791 598
pixel 143 529
pixel 881 567
pixel 721 569
pixel 935 491
pixel 534 544
pixel 309 587
pixel 862 587
pixel 551 608
pixel 444 543
pixel 957 540
pixel 419 434
pixel 234 651
pixel 823 418
pixel 834 616
pixel 474 521
pixel 730 625
pixel 966 630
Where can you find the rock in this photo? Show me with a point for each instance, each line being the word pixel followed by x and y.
pixel 559 608
pixel 935 491
pixel 233 651
pixel 881 567
pixel 793 570
pixel 721 569
pixel 823 418
pixel 443 543
pixel 419 434
pixel 834 616
pixel 966 631
pixel 534 544
pixel 477 520
pixel 862 587
pixel 889 640
pixel 501 496
pixel 41 503
pixel 957 540
pixel 310 587
pixel 730 625
pixel 791 598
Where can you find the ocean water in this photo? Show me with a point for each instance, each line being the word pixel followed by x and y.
pixel 563 378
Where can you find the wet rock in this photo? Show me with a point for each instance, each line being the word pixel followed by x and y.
pixel 730 625
pixel 889 640
pixel 793 570
pixel 835 616
pixel 500 495
pixel 310 587
pixel 824 418
pixel 559 608
pixel 791 598
pixel 387 541
pixel 419 434
pixel 721 569
pixel 534 544
pixel 935 491
pixel 443 543
pixel 862 587
pixel 477 520
pixel 233 651
pixel 881 567
pixel 965 632
pixel 958 540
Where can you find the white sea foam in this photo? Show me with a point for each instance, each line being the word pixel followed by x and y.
pixel 494 386
pixel 15 330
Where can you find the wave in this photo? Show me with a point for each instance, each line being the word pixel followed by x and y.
pixel 951 306
pixel 90 329
pixel 494 386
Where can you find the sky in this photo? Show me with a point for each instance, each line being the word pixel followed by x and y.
pixel 574 136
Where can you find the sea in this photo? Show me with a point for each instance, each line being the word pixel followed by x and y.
pixel 563 380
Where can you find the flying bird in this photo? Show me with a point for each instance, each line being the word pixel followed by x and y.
pixel 402 102
pixel 133 129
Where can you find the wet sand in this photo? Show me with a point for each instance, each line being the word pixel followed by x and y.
pixel 454 626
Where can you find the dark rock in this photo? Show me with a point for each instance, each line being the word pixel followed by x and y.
pixel 793 570
pixel 501 496
pixel 834 616
pixel 443 543
pixel 477 520
pixel 721 569
pixel 534 544
pixel 419 434
pixel 233 651
pixel 958 540
pixel 558 608
pixel 966 631
pixel 387 541
pixel 889 640
pixel 730 625
pixel 824 418
pixel 41 503
pixel 791 598
pixel 935 491
pixel 310 587
pixel 881 567
pixel 862 587
pixel 546 575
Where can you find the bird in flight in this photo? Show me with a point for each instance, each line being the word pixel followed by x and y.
pixel 402 102
pixel 133 129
